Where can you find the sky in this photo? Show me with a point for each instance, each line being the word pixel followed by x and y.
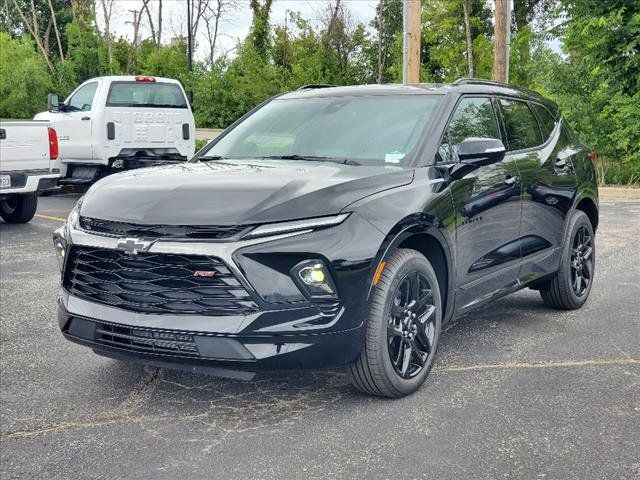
pixel 234 29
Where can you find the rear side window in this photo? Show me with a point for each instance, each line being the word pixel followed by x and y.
pixel 473 117
pixel 546 121
pixel 146 94
pixel 520 125
pixel 82 99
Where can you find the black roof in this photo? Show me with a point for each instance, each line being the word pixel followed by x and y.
pixel 460 86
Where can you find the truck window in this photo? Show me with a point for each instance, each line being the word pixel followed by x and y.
pixel 82 99
pixel 146 94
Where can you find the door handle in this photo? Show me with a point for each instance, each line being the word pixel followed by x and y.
pixel 3 134
pixel 86 118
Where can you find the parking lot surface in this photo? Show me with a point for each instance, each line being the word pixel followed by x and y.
pixel 518 391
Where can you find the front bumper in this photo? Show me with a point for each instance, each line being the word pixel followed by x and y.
pixel 151 341
pixel 281 334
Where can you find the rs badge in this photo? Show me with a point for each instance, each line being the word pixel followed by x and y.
pixel 203 273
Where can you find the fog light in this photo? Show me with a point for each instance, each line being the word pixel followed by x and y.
pixel 313 275
pixel 314 279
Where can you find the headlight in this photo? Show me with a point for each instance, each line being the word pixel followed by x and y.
pixel 60 245
pixel 61 235
pixel 296 226
pixel 314 279
pixel 74 216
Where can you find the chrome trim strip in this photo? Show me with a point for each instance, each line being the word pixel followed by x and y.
pixel 232 324
pixel 289 327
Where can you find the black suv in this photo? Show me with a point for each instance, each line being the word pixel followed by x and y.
pixel 334 226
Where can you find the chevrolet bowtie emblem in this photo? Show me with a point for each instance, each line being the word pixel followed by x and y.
pixel 132 246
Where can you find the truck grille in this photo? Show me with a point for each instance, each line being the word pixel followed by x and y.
pixel 156 283
pixel 123 229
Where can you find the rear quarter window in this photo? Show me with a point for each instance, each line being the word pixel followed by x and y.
pixel 146 94
pixel 520 124
pixel 546 121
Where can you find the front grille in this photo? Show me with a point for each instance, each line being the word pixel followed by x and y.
pixel 156 282
pixel 124 229
pixel 146 340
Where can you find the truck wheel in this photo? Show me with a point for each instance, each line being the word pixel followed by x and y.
pixel 18 208
pixel 402 329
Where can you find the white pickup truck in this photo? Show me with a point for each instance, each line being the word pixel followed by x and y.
pixel 28 153
pixel 115 123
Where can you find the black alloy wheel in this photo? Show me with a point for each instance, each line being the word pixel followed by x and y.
pixel 402 329
pixel 412 328
pixel 569 288
pixel 581 261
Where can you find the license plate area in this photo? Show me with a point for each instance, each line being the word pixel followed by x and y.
pixel 5 181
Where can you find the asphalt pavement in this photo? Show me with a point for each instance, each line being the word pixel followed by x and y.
pixel 518 392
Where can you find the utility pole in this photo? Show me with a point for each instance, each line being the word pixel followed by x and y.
pixel 189 39
pixel 411 27
pixel 502 34
pixel 508 48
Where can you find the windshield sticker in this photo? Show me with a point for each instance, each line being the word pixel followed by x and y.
pixel 393 157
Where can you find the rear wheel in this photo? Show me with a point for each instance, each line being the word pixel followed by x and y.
pixel 570 287
pixel 402 329
pixel 18 208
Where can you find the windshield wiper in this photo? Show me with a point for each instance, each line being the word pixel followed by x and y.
pixel 311 158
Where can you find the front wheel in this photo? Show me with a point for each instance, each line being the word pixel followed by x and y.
pixel 570 286
pixel 402 328
pixel 18 208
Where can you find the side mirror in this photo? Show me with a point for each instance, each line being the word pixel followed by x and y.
pixel 475 152
pixel 481 151
pixel 53 104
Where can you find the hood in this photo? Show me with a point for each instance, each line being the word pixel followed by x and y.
pixel 236 192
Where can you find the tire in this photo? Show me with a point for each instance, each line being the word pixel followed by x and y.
pixel 375 372
pixel 19 208
pixel 560 292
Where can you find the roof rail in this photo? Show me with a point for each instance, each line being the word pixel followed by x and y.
pixel 482 81
pixel 477 81
pixel 313 86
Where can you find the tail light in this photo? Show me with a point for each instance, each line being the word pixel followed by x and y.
pixel 53 144
pixel 141 78
pixel 592 156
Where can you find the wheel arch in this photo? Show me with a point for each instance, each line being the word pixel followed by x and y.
pixel 423 235
pixel 588 206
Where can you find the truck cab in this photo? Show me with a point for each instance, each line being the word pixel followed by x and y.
pixel 117 123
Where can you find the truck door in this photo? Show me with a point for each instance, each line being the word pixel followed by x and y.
pixel 74 125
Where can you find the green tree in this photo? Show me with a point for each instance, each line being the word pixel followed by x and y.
pixel 259 33
pixel 24 78
pixel 388 26
pixel 444 41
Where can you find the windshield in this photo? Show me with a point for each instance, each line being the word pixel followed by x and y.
pixel 146 94
pixel 359 130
